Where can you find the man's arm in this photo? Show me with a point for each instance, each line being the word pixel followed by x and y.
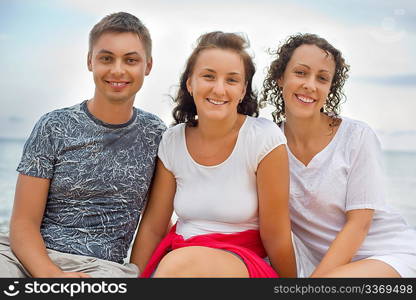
pixel 25 239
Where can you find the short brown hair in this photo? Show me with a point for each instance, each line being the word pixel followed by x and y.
pixel 121 22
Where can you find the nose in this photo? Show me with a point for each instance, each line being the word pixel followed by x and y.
pixel 219 88
pixel 117 68
pixel 309 84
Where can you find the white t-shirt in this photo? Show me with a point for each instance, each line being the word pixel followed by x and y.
pixel 347 174
pixel 220 198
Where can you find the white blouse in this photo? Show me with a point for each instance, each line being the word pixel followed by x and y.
pixel 347 174
pixel 220 198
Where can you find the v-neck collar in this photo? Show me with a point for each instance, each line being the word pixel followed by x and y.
pixel 316 158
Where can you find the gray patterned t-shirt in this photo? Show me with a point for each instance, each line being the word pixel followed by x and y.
pixel 100 174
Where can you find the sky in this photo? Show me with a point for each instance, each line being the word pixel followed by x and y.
pixel 44 44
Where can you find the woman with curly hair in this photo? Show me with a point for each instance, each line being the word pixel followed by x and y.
pixel 337 203
pixel 217 168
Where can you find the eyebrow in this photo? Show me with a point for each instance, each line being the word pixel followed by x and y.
pixel 109 52
pixel 213 71
pixel 306 66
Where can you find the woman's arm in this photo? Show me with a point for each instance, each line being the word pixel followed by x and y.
pixel 156 217
pixel 275 227
pixel 25 239
pixel 364 190
pixel 347 242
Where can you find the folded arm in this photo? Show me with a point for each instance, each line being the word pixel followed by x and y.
pixel 347 242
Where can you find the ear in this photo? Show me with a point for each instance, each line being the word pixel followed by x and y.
pixel 188 85
pixel 244 91
pixel 149 65
pixel 89 63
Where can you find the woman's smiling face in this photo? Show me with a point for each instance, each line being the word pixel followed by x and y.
pixel 217 83
pixel 306 81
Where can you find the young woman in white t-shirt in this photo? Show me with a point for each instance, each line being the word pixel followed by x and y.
pixel 217 170
pixel 339 215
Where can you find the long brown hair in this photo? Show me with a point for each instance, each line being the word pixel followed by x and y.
pixel 185 109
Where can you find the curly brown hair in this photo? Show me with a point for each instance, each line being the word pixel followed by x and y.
pixel 185 109
pixel 272 93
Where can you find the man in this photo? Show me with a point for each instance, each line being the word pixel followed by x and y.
pixel 86 169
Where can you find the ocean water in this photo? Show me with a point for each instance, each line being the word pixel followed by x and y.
pixel 400 168
pixel 10 154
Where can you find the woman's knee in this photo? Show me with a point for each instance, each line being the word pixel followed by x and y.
pixel 196 261
pixel 363 269
pixel 177 263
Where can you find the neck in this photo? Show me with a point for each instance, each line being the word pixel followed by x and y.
pixel 214 129
pixel 302 131
pixel 111 112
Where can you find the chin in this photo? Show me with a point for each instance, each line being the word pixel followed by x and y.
pixel 305 116
pixel 214 116
pixel 119 98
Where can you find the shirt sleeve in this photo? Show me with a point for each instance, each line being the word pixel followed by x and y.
pixel 39 154
pixel 366 180
pixel 266 137
pixel 166 144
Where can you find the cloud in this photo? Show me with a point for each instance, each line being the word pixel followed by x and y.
pixel 15 119
pixel 404 141
pixel 393 80
pixel 48 70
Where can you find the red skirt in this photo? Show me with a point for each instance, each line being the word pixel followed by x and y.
pixel 246 244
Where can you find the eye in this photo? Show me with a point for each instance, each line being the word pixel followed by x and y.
pixel 323 78
pixel 208 76
pixel 105 59
pixel 131 61
pixel 300 73
pixel 232 80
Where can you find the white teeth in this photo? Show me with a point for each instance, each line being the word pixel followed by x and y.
pixel 117 83
pixel 306 100
pixel 216 102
